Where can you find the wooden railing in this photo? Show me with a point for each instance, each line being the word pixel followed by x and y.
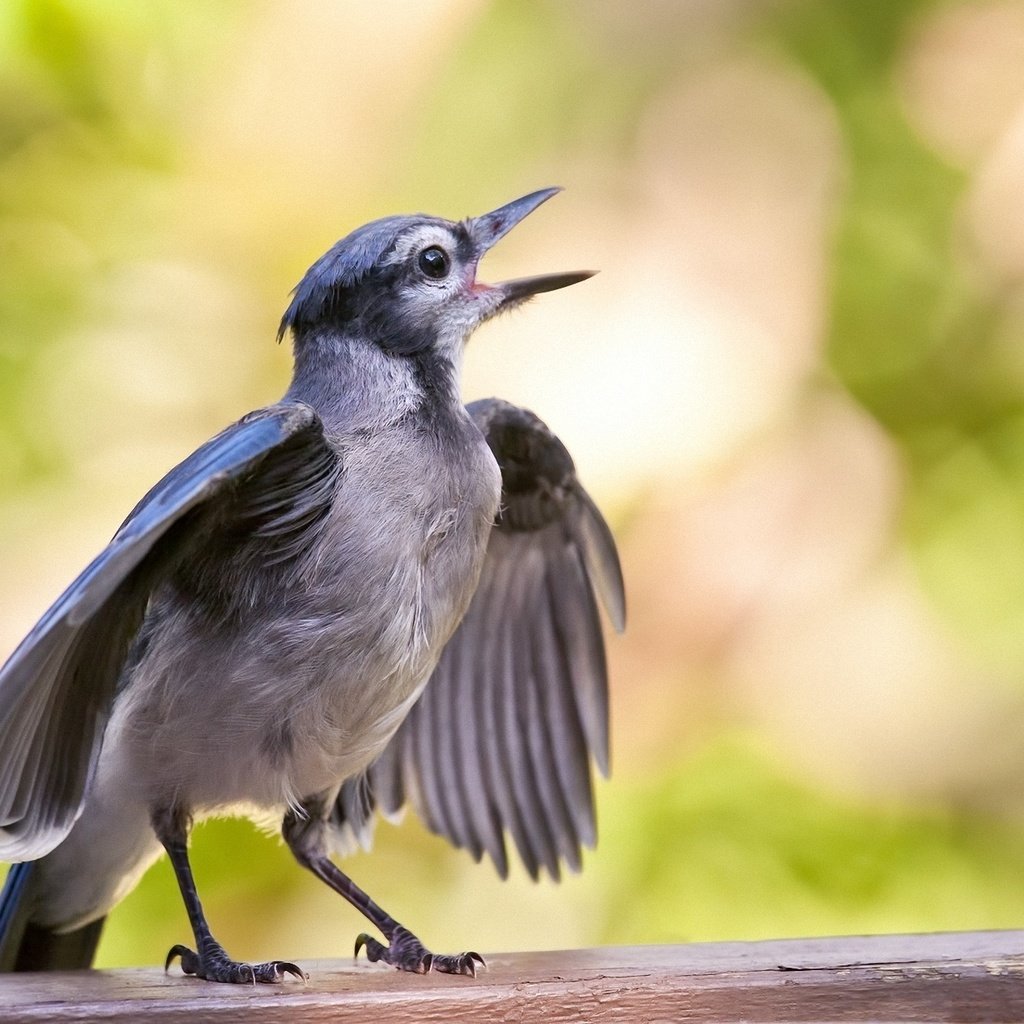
pixel 973 976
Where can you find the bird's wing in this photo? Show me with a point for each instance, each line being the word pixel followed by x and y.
pixel 503 736
pixel 271 474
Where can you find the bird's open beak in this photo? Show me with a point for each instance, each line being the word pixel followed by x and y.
pixel 486 229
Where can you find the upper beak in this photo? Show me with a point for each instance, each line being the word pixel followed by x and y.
pixel 486 229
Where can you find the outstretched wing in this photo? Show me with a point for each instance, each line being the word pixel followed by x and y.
pixel 504 734
pixel 270 473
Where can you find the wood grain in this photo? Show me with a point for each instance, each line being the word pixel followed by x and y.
pixel 973 976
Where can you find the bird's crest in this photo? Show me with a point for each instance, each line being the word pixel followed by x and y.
pixel 344 265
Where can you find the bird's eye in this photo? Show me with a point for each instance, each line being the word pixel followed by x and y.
pixel 434 262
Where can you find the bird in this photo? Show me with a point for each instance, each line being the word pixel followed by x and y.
pixel 365 595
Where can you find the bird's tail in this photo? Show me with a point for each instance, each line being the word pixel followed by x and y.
pixel 28 947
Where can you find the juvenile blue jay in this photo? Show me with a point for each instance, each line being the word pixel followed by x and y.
pixel 363 595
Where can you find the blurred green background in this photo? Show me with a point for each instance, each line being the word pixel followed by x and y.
pixel 797 389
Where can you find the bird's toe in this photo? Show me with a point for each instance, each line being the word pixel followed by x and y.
pixel 405 952
pixel 215 965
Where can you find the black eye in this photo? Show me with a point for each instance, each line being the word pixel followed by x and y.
pixel 434 262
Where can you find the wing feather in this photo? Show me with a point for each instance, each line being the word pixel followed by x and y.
pixel 272 472
pixel 503 738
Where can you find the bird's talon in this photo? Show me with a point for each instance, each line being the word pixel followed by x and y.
pixel 172 953
pixel 287 967
pixel 215 965
pixel 189 960
pixel 406 953
pixel 374 950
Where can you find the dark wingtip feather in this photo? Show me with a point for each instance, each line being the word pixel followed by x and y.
pixel 602 561
pixel 15 907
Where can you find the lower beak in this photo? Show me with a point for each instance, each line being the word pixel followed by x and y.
pixel 523 287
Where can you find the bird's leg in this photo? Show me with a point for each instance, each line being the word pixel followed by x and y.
pixel 209 960
pixel 305 836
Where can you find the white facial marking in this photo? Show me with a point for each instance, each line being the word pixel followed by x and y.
pixel 447 302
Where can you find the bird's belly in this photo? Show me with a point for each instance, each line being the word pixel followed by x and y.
pixel 311 695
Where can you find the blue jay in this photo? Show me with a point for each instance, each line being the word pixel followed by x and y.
pixel 362 596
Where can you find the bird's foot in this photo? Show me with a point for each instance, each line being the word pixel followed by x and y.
pixel 407 953
pixel 215 965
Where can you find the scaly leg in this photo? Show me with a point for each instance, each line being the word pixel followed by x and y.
pixel 209 960
pixel 305 837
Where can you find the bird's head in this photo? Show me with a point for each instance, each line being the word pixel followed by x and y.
pixel 409 283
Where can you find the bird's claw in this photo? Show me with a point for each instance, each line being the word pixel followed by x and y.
pixel 406 953
pixel 215 965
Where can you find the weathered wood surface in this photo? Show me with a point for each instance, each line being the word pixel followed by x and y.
pixel 974 976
